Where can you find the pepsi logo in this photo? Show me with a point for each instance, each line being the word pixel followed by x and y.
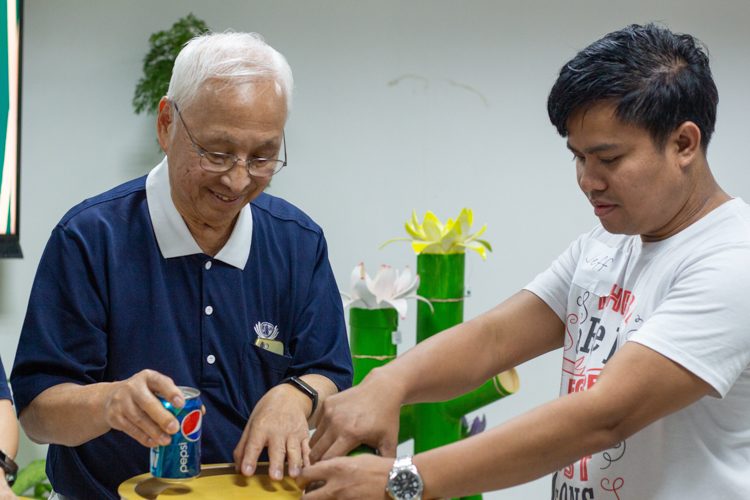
pixel 191 425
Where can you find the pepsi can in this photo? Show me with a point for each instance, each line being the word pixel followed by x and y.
pixel 180 460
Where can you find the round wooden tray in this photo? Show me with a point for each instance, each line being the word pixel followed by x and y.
pixel 215 482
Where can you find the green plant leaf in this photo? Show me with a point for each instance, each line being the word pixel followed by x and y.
pixel 158 63
pixel 30 476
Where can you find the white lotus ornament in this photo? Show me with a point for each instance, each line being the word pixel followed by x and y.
pixel 389 289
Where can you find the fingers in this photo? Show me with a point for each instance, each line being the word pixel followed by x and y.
pixel 133 408
pixel 164 385
pixel 279 448
pixel 276 454
pixel 340 447
pixel 387 447
pixel 346 478
pixel 247 452
pixel 314 474
pixel 296 452
pixel 306 453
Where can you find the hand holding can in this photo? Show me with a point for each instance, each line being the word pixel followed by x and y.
pixel 131 407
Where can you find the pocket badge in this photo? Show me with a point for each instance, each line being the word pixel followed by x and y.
pixel 266 333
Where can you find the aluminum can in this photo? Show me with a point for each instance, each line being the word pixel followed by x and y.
pixel 180 461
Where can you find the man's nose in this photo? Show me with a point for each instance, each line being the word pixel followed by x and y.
pixel 237 178
pixel 590 179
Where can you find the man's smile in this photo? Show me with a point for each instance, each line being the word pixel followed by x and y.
pixel 225 198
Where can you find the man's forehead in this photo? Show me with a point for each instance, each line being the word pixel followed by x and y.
pixel 595 128
pixel 246 101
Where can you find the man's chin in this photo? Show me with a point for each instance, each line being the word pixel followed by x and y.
pixel 613 227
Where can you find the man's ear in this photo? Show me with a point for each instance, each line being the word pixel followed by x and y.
pixel 686 140
pixel 164 123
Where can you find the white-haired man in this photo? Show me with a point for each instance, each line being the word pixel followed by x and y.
pixel 186 277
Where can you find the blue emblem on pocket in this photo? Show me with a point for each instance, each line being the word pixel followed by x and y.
pixel 266 330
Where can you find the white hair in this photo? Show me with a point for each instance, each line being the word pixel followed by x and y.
pixel 234 57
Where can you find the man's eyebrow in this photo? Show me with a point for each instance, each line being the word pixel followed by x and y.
pixel 596 149
pixel 221 138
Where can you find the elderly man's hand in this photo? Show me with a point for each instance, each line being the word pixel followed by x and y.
pixel 131 406
pixel 367 413
pixel 279 422
pixel 363 477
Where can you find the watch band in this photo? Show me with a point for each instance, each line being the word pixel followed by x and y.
pixel 9 467
pixel 404 481
pixel 306 389
pixel 404 461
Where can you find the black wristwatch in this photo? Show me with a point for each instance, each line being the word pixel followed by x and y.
pixel 9 466
pixel 305 388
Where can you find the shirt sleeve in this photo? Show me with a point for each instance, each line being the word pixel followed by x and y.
pixel 63 337
pixel 4 389
pixel 703 323
pixel 320 343
pixel 553 285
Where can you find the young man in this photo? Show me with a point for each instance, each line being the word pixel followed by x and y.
pixel 649 308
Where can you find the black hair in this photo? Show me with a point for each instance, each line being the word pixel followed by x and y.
pixel 656 79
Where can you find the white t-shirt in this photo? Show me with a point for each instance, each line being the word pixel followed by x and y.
pixel 688 298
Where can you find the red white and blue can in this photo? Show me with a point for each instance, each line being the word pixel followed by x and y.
pixel 181 459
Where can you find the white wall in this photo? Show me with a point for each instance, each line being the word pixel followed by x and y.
pixel 465 125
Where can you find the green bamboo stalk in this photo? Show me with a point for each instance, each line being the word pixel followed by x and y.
pixel 370 339
pixel 493 390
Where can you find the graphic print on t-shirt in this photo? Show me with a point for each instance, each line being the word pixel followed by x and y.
pixel 601 315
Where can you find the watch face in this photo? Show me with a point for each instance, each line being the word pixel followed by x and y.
pixel 406 485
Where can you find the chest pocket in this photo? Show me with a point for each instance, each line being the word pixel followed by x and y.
pixel 261 371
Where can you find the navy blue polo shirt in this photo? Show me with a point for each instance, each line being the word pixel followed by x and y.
pixel 106 304
pixel 4 389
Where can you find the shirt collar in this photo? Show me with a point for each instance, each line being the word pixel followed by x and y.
pixel 174 237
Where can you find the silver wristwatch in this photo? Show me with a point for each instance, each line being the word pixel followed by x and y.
pixel 404 482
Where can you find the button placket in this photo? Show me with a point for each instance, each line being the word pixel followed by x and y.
pixel 210 374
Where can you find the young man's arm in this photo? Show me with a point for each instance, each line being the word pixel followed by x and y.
pixel 637 387
pixel 442 367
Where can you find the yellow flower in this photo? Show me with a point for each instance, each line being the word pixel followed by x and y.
pixel 453 237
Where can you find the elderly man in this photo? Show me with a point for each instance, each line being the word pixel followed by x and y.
pixel 650 308
pixel 189 276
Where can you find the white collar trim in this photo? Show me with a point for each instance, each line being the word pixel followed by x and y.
pixel 174 237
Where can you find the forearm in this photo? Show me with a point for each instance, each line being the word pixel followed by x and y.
pixel 636 388
pixel 528 447
pixel 8 428
pixel 462 358
pixel 67 414
pixel 325 388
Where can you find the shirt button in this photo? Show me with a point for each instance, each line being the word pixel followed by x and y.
pixel 209 310
pixel 211 359
pixel 208 264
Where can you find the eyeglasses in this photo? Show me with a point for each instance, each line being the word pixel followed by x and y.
pixel 223 162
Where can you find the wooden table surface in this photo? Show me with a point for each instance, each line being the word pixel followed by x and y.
pixel 216 482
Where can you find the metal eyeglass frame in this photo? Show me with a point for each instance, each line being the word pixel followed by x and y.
pixel 251 169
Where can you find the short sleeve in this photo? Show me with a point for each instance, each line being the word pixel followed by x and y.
pixel 63 338
pixel 553 285
pixel 320 342
pixel 4 389
pixel 703 322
